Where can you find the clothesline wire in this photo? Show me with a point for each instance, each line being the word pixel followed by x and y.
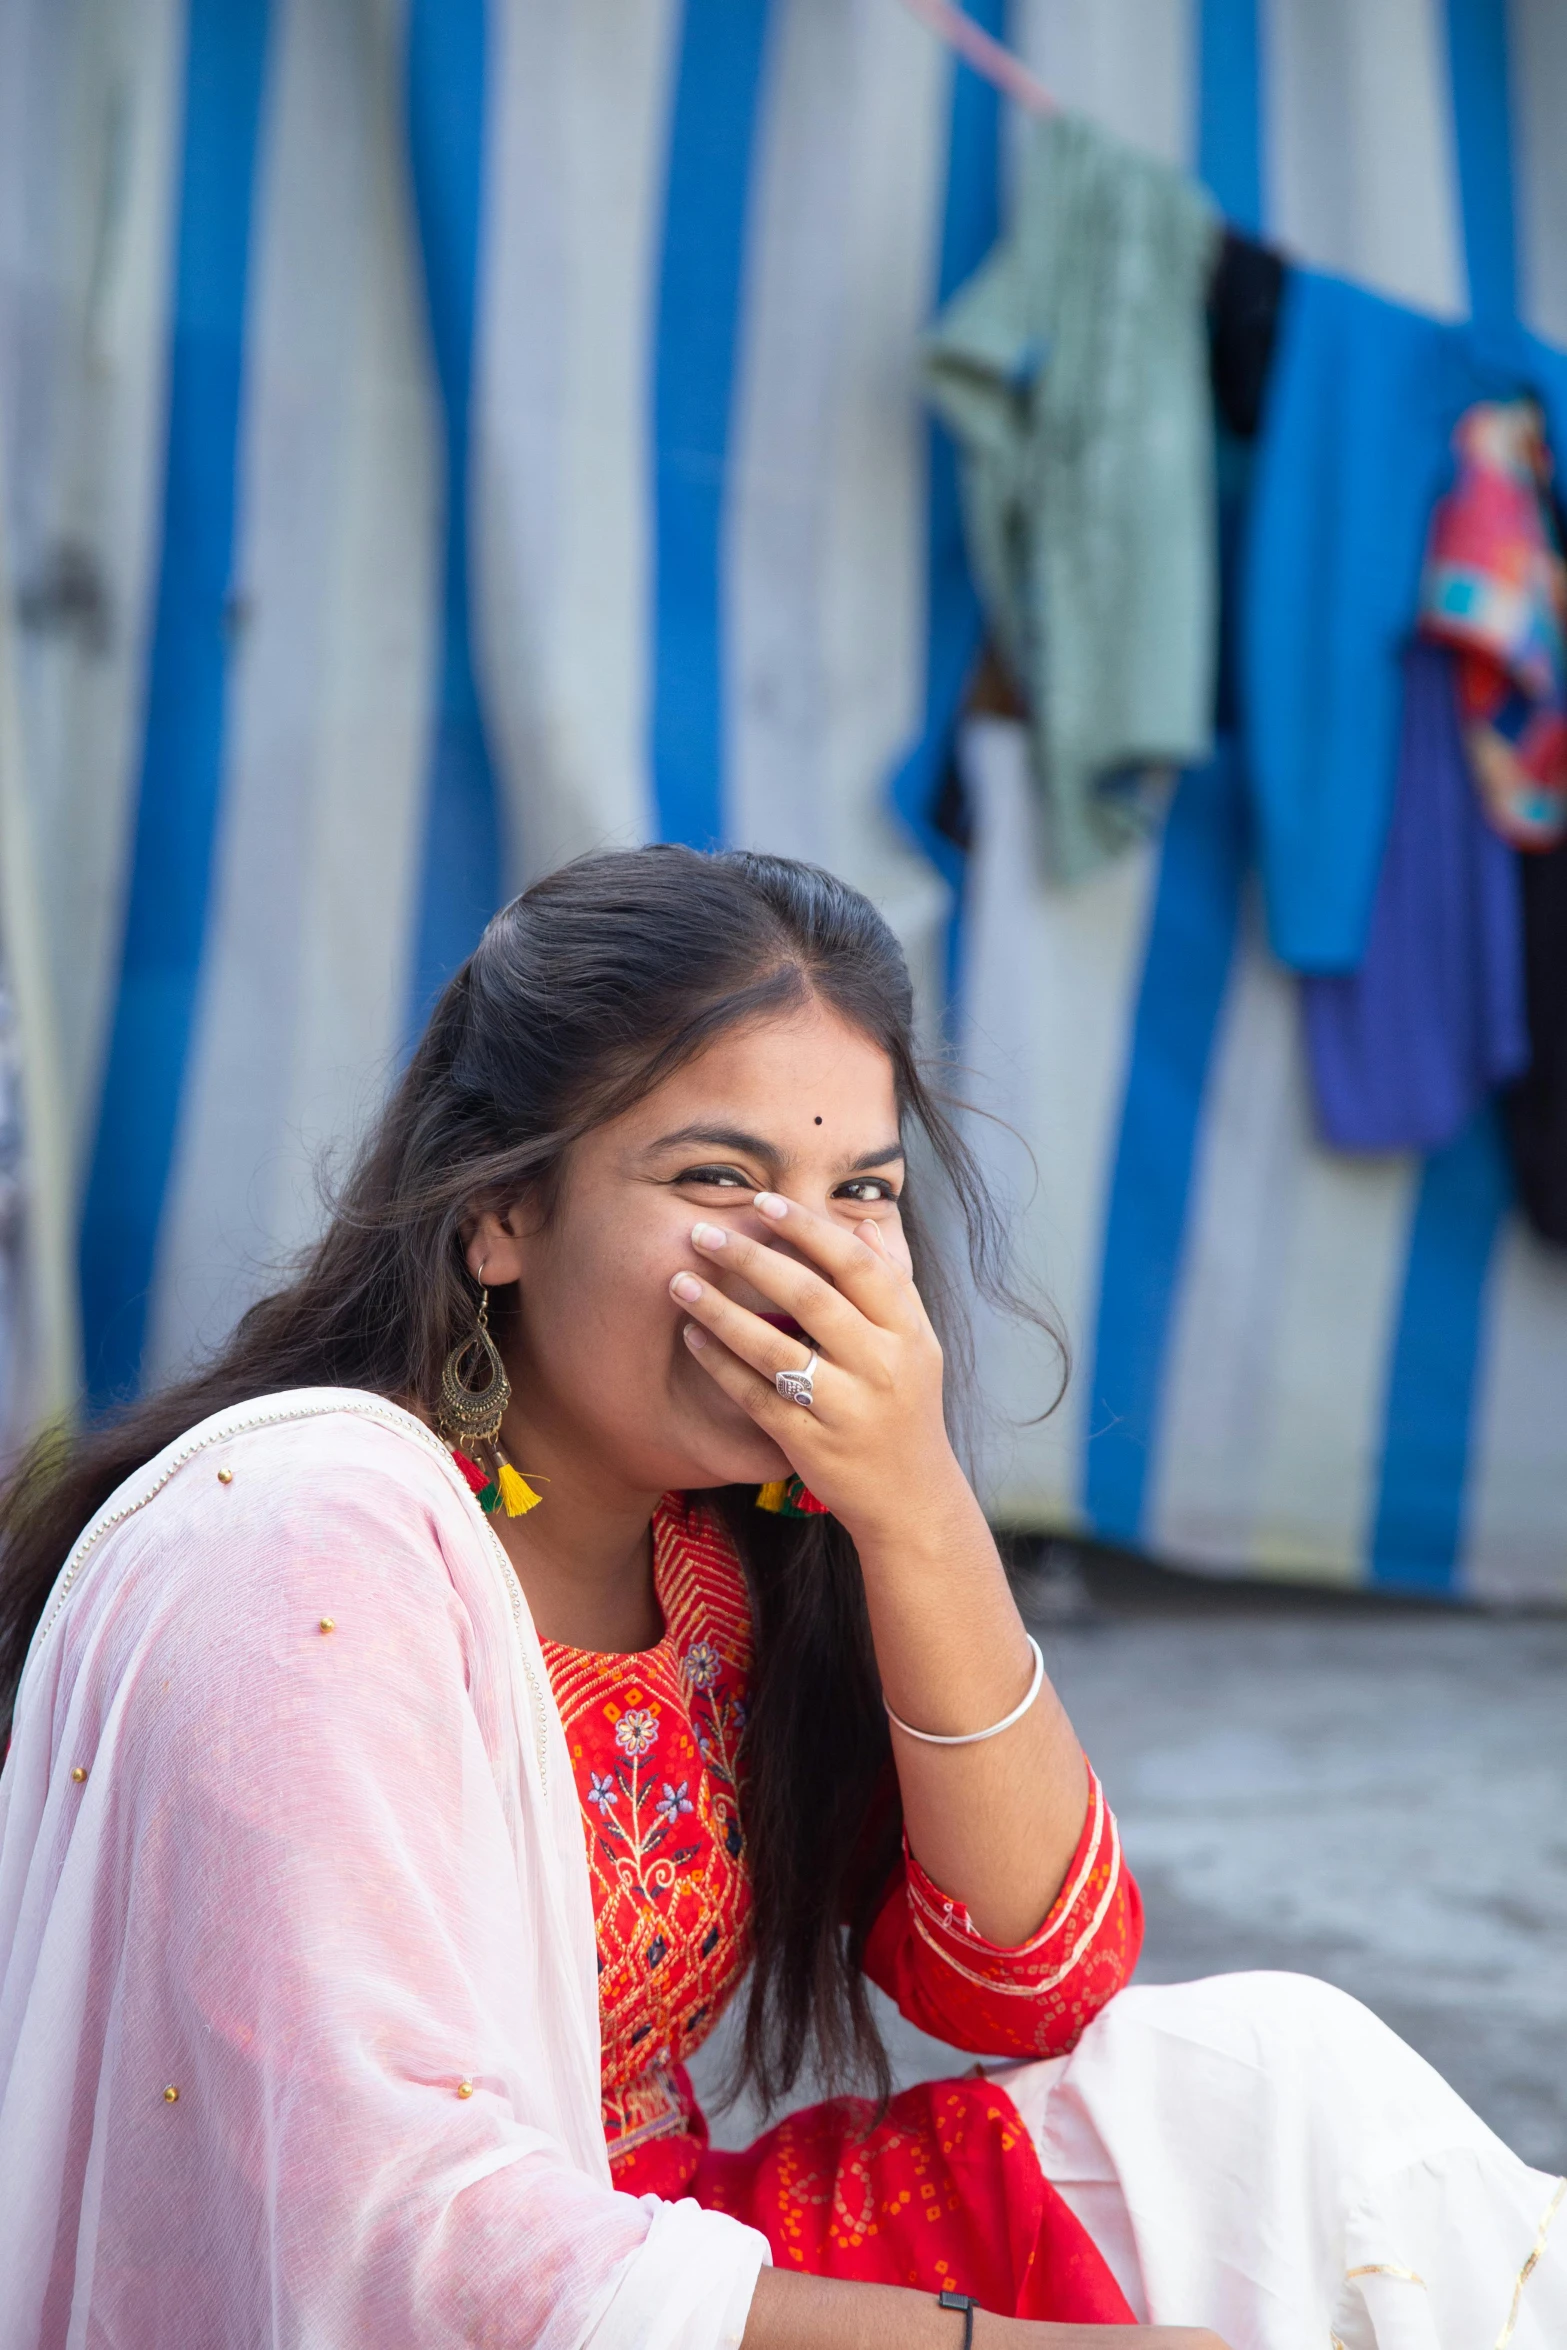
pixel 988 56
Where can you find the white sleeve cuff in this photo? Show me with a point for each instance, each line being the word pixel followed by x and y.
pixel 688 2285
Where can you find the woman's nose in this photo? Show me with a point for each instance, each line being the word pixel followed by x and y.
pixel 733 1283
pixel 757 1227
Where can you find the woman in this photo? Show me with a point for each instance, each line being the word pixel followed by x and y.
pixel 429 1729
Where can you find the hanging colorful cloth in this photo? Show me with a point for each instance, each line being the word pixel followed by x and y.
pixel 791 1497
pixel 1495 589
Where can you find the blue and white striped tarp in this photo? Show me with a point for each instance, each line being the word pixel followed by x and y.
pixel 437 437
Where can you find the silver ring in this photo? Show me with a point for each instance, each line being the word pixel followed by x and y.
pixel 797 1386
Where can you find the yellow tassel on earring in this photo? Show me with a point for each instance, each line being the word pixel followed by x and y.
pixel 517 1495
pixel 771 1497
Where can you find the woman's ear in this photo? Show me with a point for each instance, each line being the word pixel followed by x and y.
pixel 493 1244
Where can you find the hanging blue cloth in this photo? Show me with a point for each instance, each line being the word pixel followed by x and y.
pixel 1405 1050
pixel 1352 456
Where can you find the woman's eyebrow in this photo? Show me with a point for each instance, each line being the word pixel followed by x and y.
pixel 752 1146
pixel 724 1138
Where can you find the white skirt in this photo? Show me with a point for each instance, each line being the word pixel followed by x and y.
pixel 1260 2155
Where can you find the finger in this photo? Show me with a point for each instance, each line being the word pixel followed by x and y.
pixel 757 1396
pixel 888 1240
pixel 745 1334
pixel 833 1320
pixel 864 1275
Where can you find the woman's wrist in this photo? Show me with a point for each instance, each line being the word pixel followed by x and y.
pixel 930 1518
pixel 790 2311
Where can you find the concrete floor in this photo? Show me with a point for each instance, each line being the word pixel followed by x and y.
pixel 1369 1792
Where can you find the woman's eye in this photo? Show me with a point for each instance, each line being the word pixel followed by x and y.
pixel 717 1178
pixel 866 1187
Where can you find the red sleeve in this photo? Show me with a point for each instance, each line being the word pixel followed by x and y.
pixel 1032 2001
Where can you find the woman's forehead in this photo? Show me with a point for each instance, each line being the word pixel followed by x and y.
pixel 811 1081
pixel 780 1062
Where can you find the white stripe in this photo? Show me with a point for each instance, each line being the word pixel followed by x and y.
pixel 1269 1437
pixel 40 1339
pixel 1358 154
pixel 796 291
pixel 89 182
pixel 579 106
pixel 824 560
pixel 1129 66
pixel 1341 1291
pixel 1516 1535
pixel 1537 34
pixel 873 614
pixel 304 988
pixel 48 142
pixel 378 661
pixel 40 1369
pixel 1050 995
pixel 1214 1396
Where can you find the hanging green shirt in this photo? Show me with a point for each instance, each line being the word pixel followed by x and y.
pixel 1073 368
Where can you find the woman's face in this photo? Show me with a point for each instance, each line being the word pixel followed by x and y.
pixel 804 1105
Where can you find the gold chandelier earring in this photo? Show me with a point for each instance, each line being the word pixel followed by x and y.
pixel 474 1394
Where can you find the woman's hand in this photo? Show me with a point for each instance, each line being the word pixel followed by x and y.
pixel 994 1822
pixel 873 1445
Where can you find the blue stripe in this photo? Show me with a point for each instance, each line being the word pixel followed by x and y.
pixel 1478 69
pixel 462 879
pixel 955 623
pixel 180 785
pixel 1229 118
pixel 1191 948
pixel 1186 968
pixel 707 203
pixel 1464 1194
pixel 1417 1529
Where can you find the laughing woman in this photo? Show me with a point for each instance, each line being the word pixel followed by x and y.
pixel 559 1607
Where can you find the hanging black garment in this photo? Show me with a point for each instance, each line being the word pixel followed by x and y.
pixel 1536 1107
pixel 1243 310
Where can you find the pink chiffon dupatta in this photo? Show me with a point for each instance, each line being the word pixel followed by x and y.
pixel 298 2011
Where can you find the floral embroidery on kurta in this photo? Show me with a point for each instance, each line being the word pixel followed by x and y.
pixel 655 1746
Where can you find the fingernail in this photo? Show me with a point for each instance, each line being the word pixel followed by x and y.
pixel 769 1204
pixel 709 1235
pixel 695 1335
pixel 687 1287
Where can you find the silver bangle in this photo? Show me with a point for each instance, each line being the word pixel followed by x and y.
pixel 974 1737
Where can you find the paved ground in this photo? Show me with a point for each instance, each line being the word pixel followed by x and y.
pixel 1369 1792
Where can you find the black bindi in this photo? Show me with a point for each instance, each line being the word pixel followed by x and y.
pixel 818 1121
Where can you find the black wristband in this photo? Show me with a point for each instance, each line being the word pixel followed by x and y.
pixel 967 2303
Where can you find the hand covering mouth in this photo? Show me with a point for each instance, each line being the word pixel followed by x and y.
pixel 786 1323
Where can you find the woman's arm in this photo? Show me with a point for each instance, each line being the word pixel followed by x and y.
pixel 790 2312
pixel 995 1823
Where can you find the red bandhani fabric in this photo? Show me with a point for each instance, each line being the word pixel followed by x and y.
pixel 943 2193
pixel 941 2190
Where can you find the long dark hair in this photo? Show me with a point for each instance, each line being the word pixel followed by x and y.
pixel 583 994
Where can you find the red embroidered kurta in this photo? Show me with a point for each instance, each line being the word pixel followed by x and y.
pixel 945 2190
